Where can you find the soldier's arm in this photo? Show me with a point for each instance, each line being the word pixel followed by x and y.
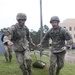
pixel 6 39
pixel 46 37
pixel 31 41
pixel 68 38
pixel 29 38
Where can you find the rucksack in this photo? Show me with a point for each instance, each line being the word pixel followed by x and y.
pixel 39 64
pixel 2 37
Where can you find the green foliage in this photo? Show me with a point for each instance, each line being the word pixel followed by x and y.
pixel 45 28
pixel 13 68
pixel 36 37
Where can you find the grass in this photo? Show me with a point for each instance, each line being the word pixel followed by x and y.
pixel 13 68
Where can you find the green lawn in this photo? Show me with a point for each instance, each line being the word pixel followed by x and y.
pixel 13 68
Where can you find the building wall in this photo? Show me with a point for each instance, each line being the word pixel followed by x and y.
pixel 69 24
pixel 1 45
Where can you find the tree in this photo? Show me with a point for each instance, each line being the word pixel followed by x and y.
pixel 36 35
pixel 45 29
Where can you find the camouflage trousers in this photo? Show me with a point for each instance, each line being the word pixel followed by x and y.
pixel 24 60
pixel 56 62
pixel 8 53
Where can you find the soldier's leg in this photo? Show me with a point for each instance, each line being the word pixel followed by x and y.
pixel 6 52
pixel 60 62
pixel 28 61
pixel 20 60
pixel 10 53
pixel 53 59
pixel 10 56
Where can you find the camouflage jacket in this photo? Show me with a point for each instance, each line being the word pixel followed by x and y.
pixel 58 37
pixel 20 36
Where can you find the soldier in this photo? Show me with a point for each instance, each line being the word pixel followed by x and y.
pixel 58 35
pixel 20 39
pixel 7 48
pixel 8 53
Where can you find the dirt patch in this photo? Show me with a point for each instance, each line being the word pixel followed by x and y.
pixel 70 57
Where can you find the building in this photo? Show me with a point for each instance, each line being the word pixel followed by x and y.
pixel 1 45
pixel 69 24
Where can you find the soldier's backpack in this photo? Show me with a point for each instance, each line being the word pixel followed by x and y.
pixel 2 37
pixel 38 63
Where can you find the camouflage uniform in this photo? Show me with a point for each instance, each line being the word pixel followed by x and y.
pixel 21 39
pixel 58 37
pixel 7 49
pixel 8 53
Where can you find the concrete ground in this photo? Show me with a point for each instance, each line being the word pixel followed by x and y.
pixel 69 56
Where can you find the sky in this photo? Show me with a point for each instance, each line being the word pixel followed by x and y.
pixel 9 8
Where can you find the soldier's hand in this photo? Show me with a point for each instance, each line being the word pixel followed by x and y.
pixel 39 45
pixel 64 48
pixel 34 45
pixel 10 43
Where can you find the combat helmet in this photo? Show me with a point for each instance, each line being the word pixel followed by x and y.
pixel 21 16
pixel 54 18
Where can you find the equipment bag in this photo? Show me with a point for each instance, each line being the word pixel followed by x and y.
pixel 2 37
pixel 38 63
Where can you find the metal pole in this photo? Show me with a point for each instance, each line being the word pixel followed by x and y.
pixel 41 23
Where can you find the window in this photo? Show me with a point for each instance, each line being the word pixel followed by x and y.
pixel 74 35
pixel 74 28
pixel 70 28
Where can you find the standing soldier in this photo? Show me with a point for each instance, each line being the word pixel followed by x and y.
pixel 20 39
pixel 8 50
pixel 58 49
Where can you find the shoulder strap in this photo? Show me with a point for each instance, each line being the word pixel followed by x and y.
pixel 15 34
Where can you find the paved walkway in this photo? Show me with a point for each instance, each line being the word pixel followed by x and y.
pixel 69 57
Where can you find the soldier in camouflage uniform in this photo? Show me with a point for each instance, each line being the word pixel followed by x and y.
pixel 8 52
pixel 20 40
pixel 7 49
pixel 58 35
